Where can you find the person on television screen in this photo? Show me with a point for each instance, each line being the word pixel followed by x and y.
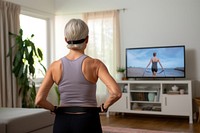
pixel 76 75
pixel 154 67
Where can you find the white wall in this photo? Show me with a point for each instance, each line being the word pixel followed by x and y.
pixel 60 44
pixel 151 23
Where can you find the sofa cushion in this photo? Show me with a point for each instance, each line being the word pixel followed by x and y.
pixel 20 120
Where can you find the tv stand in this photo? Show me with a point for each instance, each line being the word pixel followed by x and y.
pixel 155 97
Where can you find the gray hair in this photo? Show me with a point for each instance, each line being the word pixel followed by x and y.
pixel 76 30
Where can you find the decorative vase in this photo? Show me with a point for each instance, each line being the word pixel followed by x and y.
pixel 151 96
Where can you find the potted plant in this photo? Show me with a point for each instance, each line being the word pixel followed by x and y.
pixel 24 56
pixel 121 69
pixel 120 73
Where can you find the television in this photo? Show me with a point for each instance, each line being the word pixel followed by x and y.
pixel 156 62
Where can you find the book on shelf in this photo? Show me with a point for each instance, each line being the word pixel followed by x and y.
pixel 139 96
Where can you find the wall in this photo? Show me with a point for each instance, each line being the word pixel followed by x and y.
pixel 151 23
pixel 46 6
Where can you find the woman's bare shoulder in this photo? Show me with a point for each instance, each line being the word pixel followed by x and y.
pixel 94 60
pixel 56 64
pixel 93 63
pixel 55 70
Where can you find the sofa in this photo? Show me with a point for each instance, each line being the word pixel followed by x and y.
pixel 26 120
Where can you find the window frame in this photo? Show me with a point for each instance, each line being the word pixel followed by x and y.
pixel 50 54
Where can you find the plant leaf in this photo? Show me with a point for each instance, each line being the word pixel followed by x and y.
pixel 21 32
pixel 40 54
pixel 32 69
pixel 43 67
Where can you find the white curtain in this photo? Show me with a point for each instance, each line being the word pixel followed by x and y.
pixel 104 43
pixel 9 22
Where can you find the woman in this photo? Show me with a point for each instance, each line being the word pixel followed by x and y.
pixel 154 68
pixel 76 75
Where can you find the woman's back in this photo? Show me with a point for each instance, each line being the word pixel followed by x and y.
pixel 74 88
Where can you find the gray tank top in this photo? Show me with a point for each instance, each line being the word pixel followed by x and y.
pixel 74 88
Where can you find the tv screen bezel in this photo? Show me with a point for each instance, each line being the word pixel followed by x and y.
pixel 157 77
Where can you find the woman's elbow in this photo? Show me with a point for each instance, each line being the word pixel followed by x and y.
pixel 116 95
pixel 119 95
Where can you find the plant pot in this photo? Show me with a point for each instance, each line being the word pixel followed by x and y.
pixel 119 76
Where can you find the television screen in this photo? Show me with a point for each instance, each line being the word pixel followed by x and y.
pixel 157 62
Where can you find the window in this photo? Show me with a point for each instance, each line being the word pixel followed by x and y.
pixel 104 43
pixel 38 27
pixel 101 40
pixel 104 38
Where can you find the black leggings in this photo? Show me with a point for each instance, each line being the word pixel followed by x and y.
pixel 88 122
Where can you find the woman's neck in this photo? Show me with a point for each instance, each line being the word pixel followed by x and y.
pixel 74 54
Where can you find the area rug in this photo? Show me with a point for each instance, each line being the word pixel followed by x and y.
pixel 108 129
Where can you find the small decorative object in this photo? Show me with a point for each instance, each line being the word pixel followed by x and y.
pixel 135 106
pixel 174 88
pixel 151 96
pixel 119 76
pixel 120 73
pixel 181 91
pixel 125 88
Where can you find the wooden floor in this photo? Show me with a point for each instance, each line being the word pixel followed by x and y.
pixel 153 122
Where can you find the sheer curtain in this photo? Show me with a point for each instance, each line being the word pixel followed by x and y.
pixel 9 22
pixel 104 43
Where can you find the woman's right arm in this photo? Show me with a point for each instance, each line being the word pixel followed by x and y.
pixel 52 76
pixel 113 88
pixel 41 97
